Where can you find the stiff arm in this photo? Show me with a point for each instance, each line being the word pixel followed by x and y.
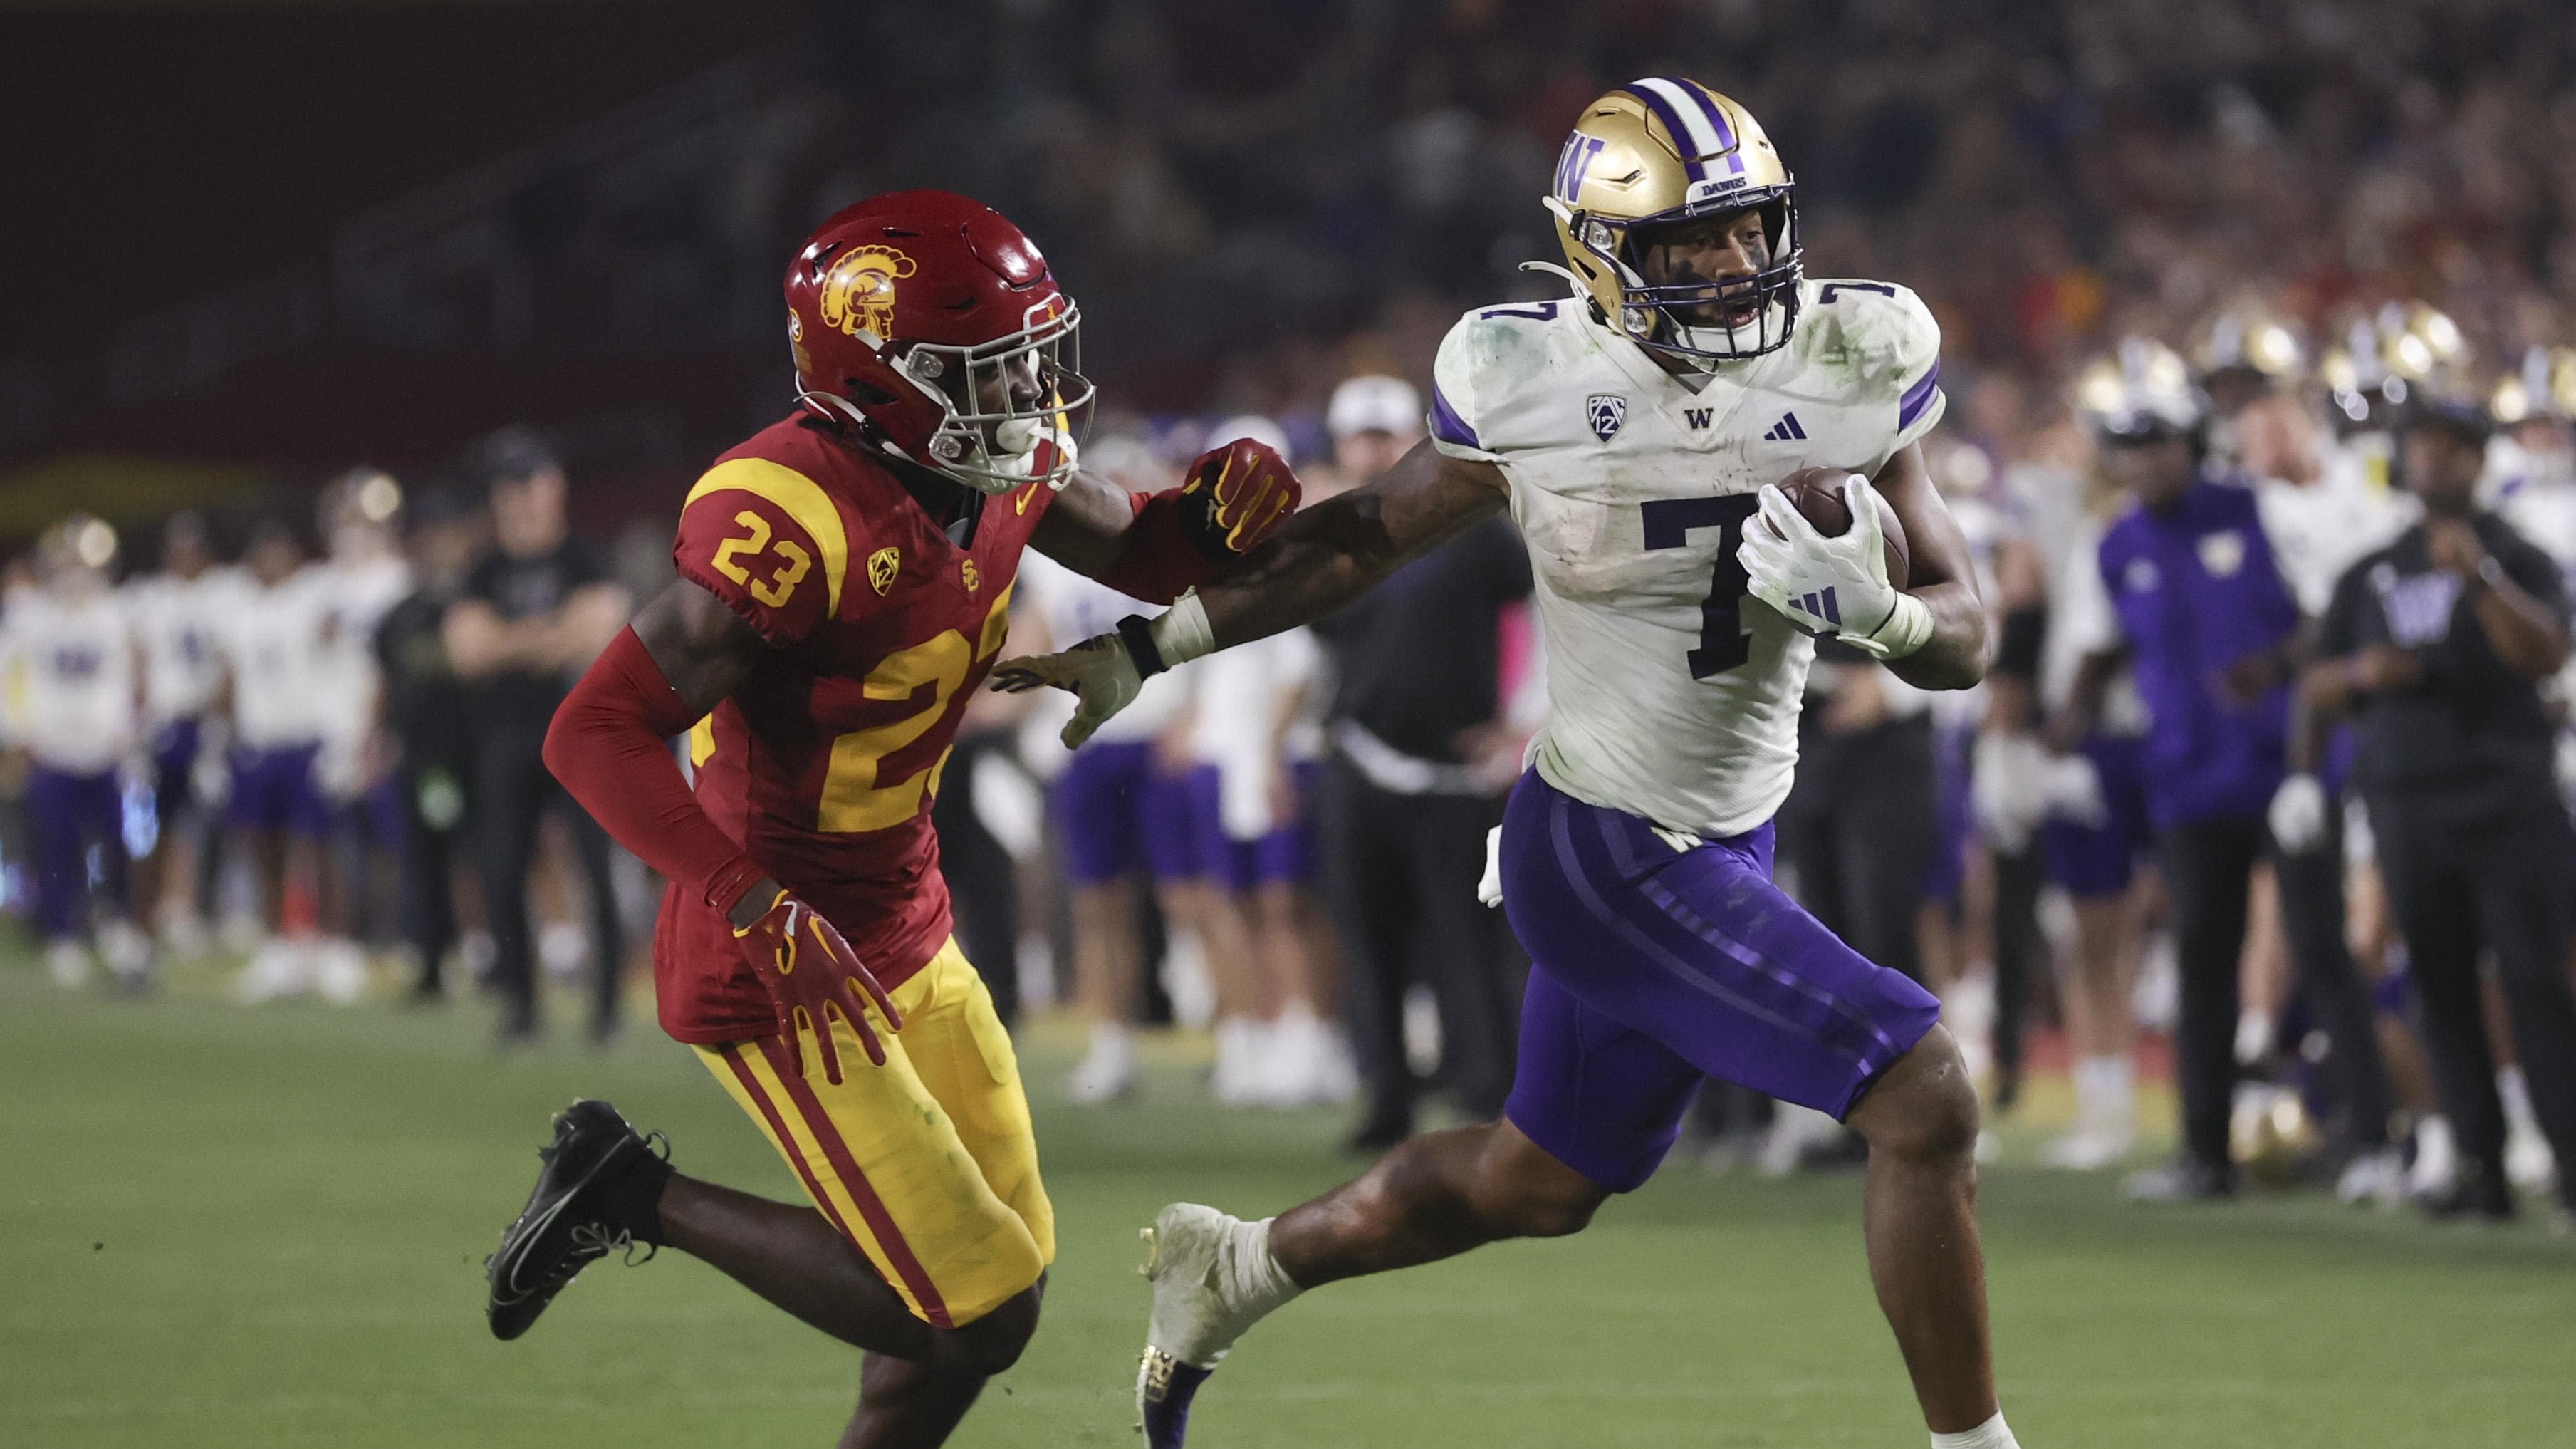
pixel 1321 558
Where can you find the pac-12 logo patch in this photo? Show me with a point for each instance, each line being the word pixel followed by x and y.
pixel 882 566
pixel 1607 411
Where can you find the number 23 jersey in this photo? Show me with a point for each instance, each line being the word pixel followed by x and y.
pixel 824 762
pixel 1673 695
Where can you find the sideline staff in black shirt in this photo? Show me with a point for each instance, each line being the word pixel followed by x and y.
pixel 536 610
pixel 2437 644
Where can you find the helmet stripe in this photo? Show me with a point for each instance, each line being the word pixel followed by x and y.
pixel 1703 125
pixel 1693 144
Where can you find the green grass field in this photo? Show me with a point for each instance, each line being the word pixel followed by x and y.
pixel 230 1227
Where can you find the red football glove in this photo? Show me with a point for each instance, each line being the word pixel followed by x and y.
pixel 808 970
pixel 1237 496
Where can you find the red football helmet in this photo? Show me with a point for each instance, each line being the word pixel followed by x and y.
pixel 931 322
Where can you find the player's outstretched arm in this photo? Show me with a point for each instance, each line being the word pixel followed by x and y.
pixel 1320 559
pixel 1159 546
pixel 610 745
pixel 1334 552
pixel 1941 573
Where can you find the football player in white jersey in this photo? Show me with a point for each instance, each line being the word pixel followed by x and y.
pixel 362 576
pixel 1636 430
pixel 68 652
pixel 273 653
pixel 178 616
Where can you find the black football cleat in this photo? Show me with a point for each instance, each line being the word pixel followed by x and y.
pixel 596 1195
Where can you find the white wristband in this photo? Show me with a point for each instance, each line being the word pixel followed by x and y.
pixel 1181 633
pixel 1908 627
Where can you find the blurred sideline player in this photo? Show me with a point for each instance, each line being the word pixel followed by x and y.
pixel 535 609
pixel 69 655
pixel 2438 642
pixel 2319 520
pixel 846 578
pixel 1123 819
pixel 176 615
pixel 1251 741
pixel 421 708
pixel 1633 429
pixel 363 574
pixel 1425 747
pixel 274 655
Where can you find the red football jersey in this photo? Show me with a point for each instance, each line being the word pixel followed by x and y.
pixel 825 761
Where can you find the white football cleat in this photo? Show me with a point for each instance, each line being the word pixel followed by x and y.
pixel 2373 1179
pixel 340 971
pixel 128 952
pixel 279 968
pixel 1108 1069
pixel 67 960
pixel 1213 1278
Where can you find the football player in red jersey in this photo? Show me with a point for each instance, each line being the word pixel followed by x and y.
pixel 845 583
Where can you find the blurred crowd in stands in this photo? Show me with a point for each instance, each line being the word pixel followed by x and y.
pixel 2322 228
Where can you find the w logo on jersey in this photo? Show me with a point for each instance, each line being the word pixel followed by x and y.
pixel 1698 417
pixel 1607 411
pixel 1785 431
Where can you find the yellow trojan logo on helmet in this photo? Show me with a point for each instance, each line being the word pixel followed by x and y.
pixel 1662 150
pixel 858 292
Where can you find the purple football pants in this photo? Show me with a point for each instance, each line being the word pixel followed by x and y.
pixel 1652 968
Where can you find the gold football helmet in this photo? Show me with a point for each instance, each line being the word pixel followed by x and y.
pixel 1663 150
pixel 2141 392
pixel 2250 338
pixel 2544 387
pixel 79 543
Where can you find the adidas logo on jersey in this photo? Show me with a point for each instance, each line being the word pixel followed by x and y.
pixel 1784 431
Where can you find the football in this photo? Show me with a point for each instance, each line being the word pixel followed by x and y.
pixel 1817 494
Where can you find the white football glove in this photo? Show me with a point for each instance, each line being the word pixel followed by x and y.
pixel 1105 671
pixel 1833 587
pixel 2299 814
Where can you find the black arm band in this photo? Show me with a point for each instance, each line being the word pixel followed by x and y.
pixel 1137 632
pixel 2017 653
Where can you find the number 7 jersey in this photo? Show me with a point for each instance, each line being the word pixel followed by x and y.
pixel 1673 695
pixel 824 762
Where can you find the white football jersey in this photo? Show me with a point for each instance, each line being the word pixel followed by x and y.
pixel 2320 529
pixel 273 641
pixel 1241 725
pixel 1673 694
pixel 179 625
pixel 355 598
pixel 71 671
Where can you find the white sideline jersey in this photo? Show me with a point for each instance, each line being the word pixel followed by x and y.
pixel 1672 693
pixel 356 596
pixel 179 624
pixel 273 641
pixel 70 665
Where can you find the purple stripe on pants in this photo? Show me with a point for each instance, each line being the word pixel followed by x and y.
pixel 1653 967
